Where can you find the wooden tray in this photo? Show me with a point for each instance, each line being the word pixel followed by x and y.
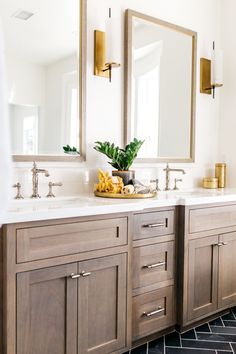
pixel 125 196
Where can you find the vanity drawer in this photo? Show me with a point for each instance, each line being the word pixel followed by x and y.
pixel 212 218
pixel 153 224
pixel 152 264
pixel 37 243
pixel 153 312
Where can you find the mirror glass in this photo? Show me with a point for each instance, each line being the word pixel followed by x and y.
pixel 161 88
pixel 42 39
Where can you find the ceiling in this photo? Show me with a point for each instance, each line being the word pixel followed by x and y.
pixel 48 36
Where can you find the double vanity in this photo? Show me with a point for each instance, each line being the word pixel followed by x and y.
pixel 88 275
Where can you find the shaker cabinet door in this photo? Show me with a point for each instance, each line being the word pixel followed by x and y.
pixel 47 311
pixel 227 270
pixel 102 294
pixel 202 276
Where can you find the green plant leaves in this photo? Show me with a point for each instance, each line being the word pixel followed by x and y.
pixel 121 159
pixel 70 150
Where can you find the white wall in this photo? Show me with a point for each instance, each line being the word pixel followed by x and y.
pixel 228 106
pixel 105 100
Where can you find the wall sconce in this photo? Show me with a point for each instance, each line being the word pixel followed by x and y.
pixel 211 73
pixel 105 54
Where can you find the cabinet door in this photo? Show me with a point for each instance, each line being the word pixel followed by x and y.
pixel 47 311
pixel 202 276
pixel 102 305
pixel 227 270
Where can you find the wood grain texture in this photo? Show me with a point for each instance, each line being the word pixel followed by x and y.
pixel 144 326
pixel 152 255
pixel 57 240
pixel 39 282
pixel 1 290
pixel 102 305
pixel 163 218
pixel 9 290
pixel 77 257
pixel 181 274
pixel 227 270
pixel 203 276
pixel 196 301
pixel 47 311
pixel 212 218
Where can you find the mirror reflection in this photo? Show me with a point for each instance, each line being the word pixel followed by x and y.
pixel 162 88
pixel 42 51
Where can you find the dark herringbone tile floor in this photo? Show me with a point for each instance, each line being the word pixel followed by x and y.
pixel 215 337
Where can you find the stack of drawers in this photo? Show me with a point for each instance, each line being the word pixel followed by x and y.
pixel 153 272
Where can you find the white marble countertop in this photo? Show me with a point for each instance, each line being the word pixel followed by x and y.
pixel 86 205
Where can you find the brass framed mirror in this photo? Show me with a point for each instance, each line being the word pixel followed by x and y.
pixel 160 88
pixel 45 44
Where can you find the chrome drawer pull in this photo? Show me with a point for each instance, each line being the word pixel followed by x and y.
pixel 85 274
pixel 75 276
pixel 151 266
pixel 152 226
pixel 220 244
pixel 153 313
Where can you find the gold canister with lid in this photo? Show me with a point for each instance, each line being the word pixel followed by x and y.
pixel 210 182
pixel 220 173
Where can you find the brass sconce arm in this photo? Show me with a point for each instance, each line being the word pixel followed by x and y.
pixel 206 85
pixel 102 67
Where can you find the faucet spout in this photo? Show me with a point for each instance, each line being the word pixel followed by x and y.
pixel 35 180
pixel 168 170
pixel 46 173
pixel 178 170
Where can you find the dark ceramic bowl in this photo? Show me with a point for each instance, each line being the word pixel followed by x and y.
pixel 125 175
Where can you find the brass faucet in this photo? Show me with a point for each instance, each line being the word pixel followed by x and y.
pixel 168 170
pixel 35 180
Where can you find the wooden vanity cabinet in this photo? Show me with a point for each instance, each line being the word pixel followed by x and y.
pixel 102 306
pixel 70 304
pixel 153 269
pixel 206 261
pixel 203 276
pixel 227 270
pixel 95 284
pixel 46 311
pixel 52 307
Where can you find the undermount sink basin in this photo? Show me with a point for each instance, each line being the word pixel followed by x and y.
pixel 57 202
pixel 180 194
pixel 192 193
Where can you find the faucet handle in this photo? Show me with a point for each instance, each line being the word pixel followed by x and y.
pixel 176 181
pixel 167 167
pixel 18 193
pixel 157 183
pixel 51 185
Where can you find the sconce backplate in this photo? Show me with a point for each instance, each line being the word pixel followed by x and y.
pixel 100 54
pixel 205 76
